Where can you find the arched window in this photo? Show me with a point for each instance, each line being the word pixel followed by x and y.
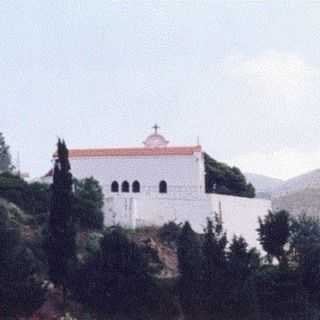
pixel 114 186
pixel 136 186
pixel 163 187
pixel 125 186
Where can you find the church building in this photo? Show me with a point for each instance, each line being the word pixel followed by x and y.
pixel 157 183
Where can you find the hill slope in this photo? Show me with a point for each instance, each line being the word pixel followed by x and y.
pixel 303 201
pixel 263 183
pixel 309 180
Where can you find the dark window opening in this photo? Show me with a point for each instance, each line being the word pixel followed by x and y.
pixel 163 187
pixel 136 186
pixel 125 186
pixel 114 186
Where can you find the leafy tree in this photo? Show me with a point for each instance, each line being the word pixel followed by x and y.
pixel 214 268
pixel 242 263
pixel 5 157
pixel 61 238
pixel 20 286
pixel 87 203
pixel 220 178
pixel 305 249
pixel 274 232
pixel 189 264
pixel 305 233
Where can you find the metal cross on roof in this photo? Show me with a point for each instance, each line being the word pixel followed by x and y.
pixel 156 127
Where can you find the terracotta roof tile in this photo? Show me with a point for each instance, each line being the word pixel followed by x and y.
pixel 78 153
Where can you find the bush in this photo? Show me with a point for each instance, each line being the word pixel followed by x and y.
pixel 169 233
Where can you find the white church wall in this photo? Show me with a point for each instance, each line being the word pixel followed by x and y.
pixel 177 171
pixel 239 215
pixel 157 211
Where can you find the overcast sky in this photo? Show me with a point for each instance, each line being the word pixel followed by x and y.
pixel 244 76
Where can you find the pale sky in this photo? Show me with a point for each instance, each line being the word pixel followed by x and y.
pixel 244 76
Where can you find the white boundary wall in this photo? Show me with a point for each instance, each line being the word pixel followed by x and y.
pixel 239 215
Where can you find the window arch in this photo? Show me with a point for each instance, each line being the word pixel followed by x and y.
pixel 136 186
pixel 163 187
pixel 125 186
pixel 114 186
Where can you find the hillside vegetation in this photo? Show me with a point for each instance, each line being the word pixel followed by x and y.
pixel 158 273
pixel 151 273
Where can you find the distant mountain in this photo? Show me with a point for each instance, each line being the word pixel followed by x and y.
pixel 297 195
pixel 309 180
pixel 303 201
pixel 263 184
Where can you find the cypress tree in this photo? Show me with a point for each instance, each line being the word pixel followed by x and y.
pixel 189 262
pixel 61 238
pixel 214 268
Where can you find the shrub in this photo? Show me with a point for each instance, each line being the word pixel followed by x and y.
pixel 169 233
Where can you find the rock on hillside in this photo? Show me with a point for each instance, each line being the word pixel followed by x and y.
pixel 149 237
pixel 303 201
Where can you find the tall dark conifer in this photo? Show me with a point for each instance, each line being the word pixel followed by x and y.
pixel 61 239
pixel 214 268
pixel 189 262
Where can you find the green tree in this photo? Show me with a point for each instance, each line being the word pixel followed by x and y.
pixel 214 268
pixel 87 203
pixel 220 178
pixel 242 263
pixel 305 252
pixel 305 233
pixel 5 157
pixel 274 233
pixel 61 231
pixel 189 264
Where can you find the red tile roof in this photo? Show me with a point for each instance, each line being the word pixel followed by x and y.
pixel 179 151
